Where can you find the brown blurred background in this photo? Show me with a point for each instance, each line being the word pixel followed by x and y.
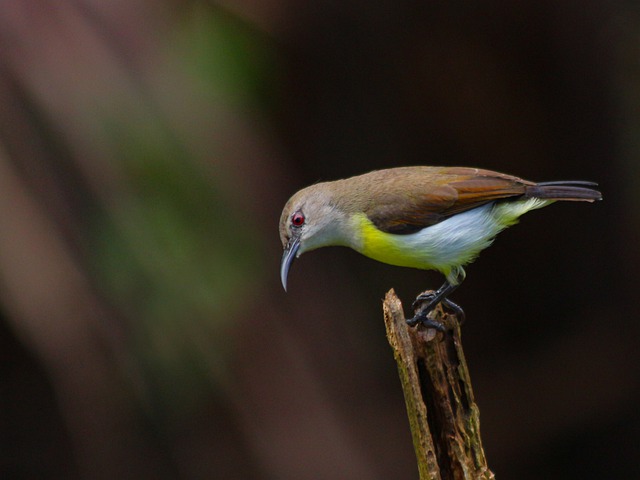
pixel 146 149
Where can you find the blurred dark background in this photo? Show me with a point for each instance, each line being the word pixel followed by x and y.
pixel 146 150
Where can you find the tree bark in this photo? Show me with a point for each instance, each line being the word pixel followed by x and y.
pixel 443 416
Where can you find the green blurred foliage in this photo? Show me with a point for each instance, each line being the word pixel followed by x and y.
pixel 173 249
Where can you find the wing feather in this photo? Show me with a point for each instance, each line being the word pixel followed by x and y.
pixel 408 200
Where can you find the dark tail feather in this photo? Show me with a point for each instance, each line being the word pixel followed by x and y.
pixel 572 190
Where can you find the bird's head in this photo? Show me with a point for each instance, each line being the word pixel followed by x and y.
pixel 311 219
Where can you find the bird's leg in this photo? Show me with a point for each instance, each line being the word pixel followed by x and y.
pixel 430 301
pixel 440 296
pixel 433 298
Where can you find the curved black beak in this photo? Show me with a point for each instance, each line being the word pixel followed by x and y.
pixel 288 257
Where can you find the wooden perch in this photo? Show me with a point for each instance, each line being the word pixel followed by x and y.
pixel 443 415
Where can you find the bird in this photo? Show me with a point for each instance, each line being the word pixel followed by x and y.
pixel 423 217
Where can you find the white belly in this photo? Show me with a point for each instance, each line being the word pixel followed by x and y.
pixel 451 243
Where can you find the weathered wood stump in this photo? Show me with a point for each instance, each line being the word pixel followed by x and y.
pixel 443 416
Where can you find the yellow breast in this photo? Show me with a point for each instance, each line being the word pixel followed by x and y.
pixel 446 245
pixel 390 248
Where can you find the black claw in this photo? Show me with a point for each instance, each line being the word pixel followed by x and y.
pixel 457 310
pixel 426 322
pixel 429 323
pixel 422 298
pixel 422 316
pixel 425 303
pixel 431 299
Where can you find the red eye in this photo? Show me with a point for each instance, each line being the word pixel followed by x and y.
pixel 297 220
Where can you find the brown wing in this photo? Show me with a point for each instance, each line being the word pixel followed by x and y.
pixel 412 198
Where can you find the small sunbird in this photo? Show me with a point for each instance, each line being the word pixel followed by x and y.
pixel 430 218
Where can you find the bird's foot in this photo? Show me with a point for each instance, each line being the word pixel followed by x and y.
pixel 423 318
pixel 456 309
pixel 431 300
pixel 424 298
